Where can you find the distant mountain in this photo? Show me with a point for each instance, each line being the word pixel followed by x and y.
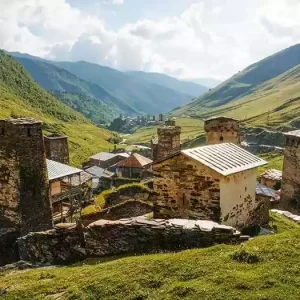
pixel 21 96
pixel 208 82
pixel 244 83
pixel 53 78
pixel 185 87
pixel 142 96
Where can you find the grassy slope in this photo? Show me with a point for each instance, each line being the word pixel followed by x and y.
pixel 191 128
pixel 193 274
pixel 21 96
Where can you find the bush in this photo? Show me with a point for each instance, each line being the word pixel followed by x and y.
pixel 243 256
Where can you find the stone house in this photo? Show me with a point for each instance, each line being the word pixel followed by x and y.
pixel 290 188
pixel 133 166
pixel 56 147
pixel 222 130
pixel 271 178
pixel 214 182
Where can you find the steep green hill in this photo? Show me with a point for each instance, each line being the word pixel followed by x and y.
pixel 185 87
pixel 21 96
pixel 206 274
pixel 53 78
pixel 144 97
pixel 245 84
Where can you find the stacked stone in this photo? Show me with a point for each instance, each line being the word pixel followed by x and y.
pixel 57 148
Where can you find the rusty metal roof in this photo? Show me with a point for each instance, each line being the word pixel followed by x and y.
pixel 225 158
pixel 135 160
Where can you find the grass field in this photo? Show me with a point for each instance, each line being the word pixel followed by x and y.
pixel 193 274
pixel 191 128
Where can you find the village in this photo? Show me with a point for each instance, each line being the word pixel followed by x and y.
pixel 214 188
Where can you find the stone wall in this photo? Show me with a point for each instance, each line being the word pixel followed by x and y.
pixel 290 188
pixel 134 235
pixel 57 148
pixel 261 213
pixel 186 189
pixel 24 190
pixel 127 209
pixel 8 245
pixel 168 141
pixel 222 130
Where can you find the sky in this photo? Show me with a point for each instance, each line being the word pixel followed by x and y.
pixel 182 38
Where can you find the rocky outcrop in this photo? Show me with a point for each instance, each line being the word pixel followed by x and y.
pixel 133 235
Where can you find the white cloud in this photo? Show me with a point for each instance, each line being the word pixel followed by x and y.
pixel 211 38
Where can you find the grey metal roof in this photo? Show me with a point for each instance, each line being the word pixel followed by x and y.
pixel 99 172
pixel 57 170
pixel 264 190
pixel 226 158
pixel 103 156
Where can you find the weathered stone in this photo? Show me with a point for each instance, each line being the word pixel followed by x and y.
pixel 57 149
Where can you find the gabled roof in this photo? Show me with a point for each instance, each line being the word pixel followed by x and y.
pixel 99 172
pixel 103 156
pixel 135 160
pixel 272 174
pixel 225 158
pixel 57 170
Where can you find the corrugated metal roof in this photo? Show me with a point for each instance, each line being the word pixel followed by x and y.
pixel 99 172
pixel 226 158
pixel 57 170
pixel 272 174
pixel 103 156
pixel 264 190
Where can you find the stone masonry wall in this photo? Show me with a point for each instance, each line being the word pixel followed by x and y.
pixel 222 130
pixel 134 235
pixel 290 188
pixel 168 141
pixel 24 191
pixel 57 148
pixel 186 189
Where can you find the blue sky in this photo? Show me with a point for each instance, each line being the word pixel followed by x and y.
pixel 182 38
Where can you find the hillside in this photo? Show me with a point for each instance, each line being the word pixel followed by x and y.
pixel 209 273
pixel 143 97
pixel 21 96
pixel 246 84
pixel 185 87
pixel 53 78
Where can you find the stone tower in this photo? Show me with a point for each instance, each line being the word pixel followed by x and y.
pixel 24 190
pixel 290 188
pixel 57 148
pixel 168 141
pixel 222 130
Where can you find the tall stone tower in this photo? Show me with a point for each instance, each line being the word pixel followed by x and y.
pixel 24 190
pixel 222 130
pixel 57 148
pixel 168 141
pixel 290 188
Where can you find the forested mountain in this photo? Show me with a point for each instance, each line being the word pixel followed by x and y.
pixel 21 96
pixel 184 87
pixel 53 78
pixel 142 96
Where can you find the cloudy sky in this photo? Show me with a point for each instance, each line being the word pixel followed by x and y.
pixel 182 38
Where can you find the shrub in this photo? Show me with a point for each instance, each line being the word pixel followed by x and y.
pixel 244 256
